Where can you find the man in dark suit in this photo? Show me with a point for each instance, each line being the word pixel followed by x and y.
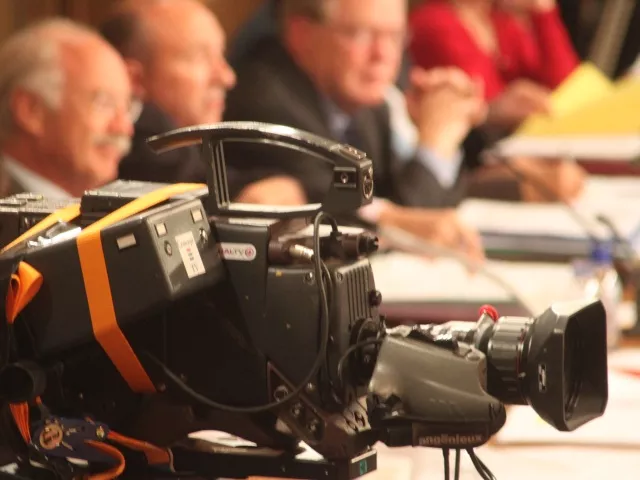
pixel 174 50
pixel 65 116
pixel 328 73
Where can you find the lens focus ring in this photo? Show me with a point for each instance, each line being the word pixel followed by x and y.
pixel 504 356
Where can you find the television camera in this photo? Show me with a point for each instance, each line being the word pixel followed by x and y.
pixel 145 312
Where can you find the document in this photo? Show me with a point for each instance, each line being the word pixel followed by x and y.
pixel 554 227
pixel 591 118
pixel 402 277
pixel 614 148
pixel 584 86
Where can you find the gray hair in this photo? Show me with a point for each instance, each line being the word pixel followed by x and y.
pixel 31 60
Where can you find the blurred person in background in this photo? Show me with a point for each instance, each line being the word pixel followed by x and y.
pixel 65 110
pixel 520 51
pixel 174 51
pixel 328 73
pixel 518 48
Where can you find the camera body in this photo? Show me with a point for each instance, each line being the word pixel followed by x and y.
pixel 196 294
pixel 161 310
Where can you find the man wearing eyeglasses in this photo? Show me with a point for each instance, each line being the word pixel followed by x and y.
pixel 65 110
pixel 328 72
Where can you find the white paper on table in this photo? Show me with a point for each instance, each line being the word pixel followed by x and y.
pixel 402 277
pixel 604 148
pixel 555 220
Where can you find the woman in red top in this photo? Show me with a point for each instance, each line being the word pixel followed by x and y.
pixel 520 58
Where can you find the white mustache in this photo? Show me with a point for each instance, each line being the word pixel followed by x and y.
pixel 122 143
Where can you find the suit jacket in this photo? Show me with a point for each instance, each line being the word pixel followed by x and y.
pixel 272 88
pixel 182 165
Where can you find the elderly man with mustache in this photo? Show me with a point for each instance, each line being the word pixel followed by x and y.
pixel 65 110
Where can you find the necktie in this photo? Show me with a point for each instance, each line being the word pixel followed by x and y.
pixel 352 136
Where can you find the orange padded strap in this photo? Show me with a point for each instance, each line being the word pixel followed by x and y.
pixel 114 453
pixel 63 215
pixel 24 285
pixel 20 413
pixel 96 281
pixel 155 455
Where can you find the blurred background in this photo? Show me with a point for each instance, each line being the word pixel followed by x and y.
pixel 15 14
pixel 601 30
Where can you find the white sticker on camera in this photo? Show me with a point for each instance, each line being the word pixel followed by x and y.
pixel 190 254
pixel 242 252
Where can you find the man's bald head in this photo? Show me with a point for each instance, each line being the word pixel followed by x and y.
pixel 175 51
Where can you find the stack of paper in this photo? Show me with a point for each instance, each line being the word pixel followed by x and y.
pixel 590 118
pixel 556 229
pixel 405 278
pixel 601 190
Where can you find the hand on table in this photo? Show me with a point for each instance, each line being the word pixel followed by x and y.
pixel 550 180
pixel 445 104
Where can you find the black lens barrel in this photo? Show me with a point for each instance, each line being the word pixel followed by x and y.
pixel 506 355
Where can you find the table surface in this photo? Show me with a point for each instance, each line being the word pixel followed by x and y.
pixel 509 463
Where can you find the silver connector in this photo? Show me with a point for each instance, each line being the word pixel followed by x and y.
pixel 301 252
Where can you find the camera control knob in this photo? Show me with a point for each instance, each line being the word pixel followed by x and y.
pixel 375 298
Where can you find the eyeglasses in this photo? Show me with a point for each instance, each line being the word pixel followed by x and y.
pixel 105 104
pixel 365 36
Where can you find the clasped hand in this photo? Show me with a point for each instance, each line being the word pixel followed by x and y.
pixel 444 104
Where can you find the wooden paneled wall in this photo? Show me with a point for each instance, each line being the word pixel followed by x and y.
pixel 15 14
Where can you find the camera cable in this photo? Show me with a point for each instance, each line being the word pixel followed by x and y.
pixel 320 270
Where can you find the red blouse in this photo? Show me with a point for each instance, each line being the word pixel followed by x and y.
pixel 542 53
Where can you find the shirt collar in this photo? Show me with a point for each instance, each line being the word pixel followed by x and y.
pixel 33 182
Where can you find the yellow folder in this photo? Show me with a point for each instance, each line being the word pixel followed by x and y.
pixel 588 103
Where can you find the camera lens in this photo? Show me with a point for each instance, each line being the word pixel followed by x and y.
pixel 556 362
pixel 507 356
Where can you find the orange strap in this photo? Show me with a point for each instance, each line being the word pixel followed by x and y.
pixel 24 285
pixel 155 455
pixel 114 453
pixel 96 281
pixel 63 215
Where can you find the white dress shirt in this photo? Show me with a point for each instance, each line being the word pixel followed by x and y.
pixel 33 182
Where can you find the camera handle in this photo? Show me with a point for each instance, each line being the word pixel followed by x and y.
pixel 351 186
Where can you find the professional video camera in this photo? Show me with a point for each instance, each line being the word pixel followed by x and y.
pixel 156 311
